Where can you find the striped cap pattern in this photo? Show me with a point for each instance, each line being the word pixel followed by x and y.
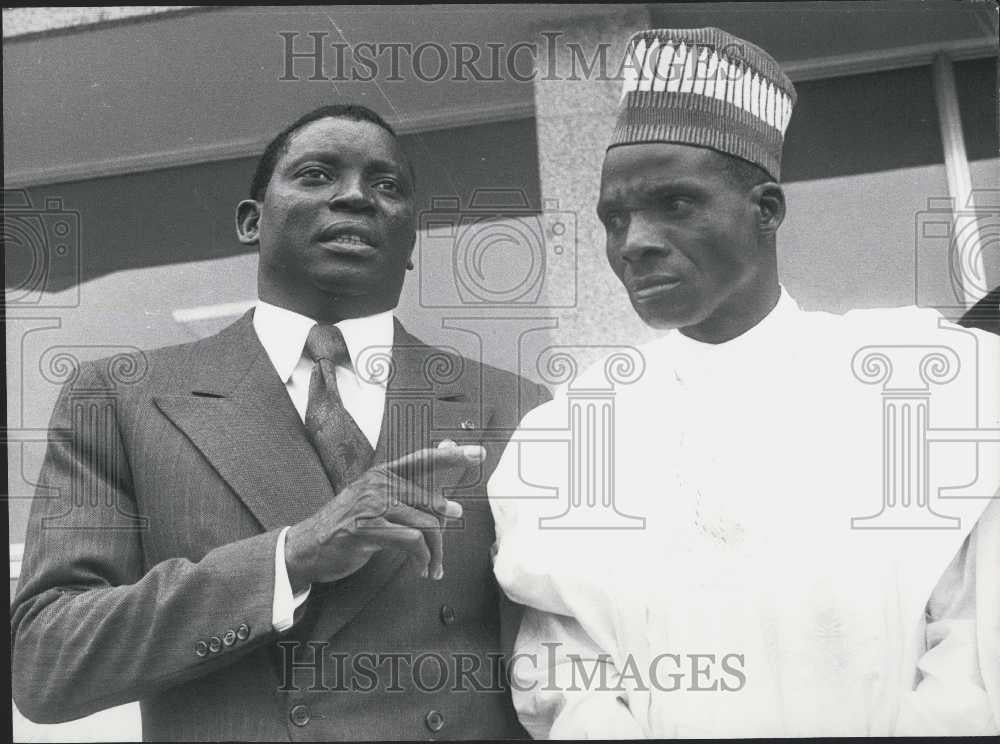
pixel 704 87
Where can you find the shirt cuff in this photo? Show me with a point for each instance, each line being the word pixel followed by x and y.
pixel 285 603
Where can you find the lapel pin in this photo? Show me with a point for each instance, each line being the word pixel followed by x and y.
pixel 467 424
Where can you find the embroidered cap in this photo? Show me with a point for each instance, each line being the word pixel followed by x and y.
pixel 704 87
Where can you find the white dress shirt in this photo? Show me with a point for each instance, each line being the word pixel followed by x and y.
pixel 283 335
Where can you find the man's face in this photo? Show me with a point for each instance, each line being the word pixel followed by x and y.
pixel 337 217
pixel 680 236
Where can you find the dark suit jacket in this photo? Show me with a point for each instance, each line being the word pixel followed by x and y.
pixel 148 571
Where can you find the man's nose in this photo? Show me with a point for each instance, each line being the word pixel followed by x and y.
pixel 352 194
pixel 642 239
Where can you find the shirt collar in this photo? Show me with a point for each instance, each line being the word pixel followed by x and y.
pixel 772 327
pixel 283 333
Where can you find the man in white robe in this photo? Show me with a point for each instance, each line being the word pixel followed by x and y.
pixel 796 531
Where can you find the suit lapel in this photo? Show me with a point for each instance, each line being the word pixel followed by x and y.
pixel 239 415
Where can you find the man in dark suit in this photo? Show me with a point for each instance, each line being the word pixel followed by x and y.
pixel 254 534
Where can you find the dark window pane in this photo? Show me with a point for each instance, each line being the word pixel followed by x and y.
pixel 862 124
pixel 976 80
pixel 886 120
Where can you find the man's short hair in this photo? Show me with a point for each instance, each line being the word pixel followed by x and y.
pixel 277 146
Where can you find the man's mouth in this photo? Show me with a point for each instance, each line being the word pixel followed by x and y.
pixel 652 285
pixel 351 236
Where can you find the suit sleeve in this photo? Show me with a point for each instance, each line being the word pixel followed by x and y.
pixel 93 627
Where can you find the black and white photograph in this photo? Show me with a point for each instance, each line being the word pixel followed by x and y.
pixel 502 371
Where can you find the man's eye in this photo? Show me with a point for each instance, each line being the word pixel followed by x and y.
pixel 389 186
pixel 677 204
pixel 615 221
pixel 314 173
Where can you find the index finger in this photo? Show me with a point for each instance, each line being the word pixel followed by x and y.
pixel 429 465
pixel 432 501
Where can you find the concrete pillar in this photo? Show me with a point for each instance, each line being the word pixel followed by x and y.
pixel 574 114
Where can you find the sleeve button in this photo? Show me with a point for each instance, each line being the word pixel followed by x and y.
pixel 243 632
pixel 214 644
pixel 201 648
pixel 448 615
pixel 229 638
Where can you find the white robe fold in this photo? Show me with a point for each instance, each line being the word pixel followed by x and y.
pixel 748 605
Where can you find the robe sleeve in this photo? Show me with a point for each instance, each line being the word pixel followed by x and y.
pixel 951 697
pixel 562 675
pixel 564 686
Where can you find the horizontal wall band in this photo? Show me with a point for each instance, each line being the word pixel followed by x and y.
pixel 880 60
pixel 801 70
pixel 246 148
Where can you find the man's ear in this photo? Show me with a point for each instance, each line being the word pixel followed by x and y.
pixel 770 200
pixel 409 258
pixel 248 222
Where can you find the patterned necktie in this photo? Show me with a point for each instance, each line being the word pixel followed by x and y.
pixel 343 448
